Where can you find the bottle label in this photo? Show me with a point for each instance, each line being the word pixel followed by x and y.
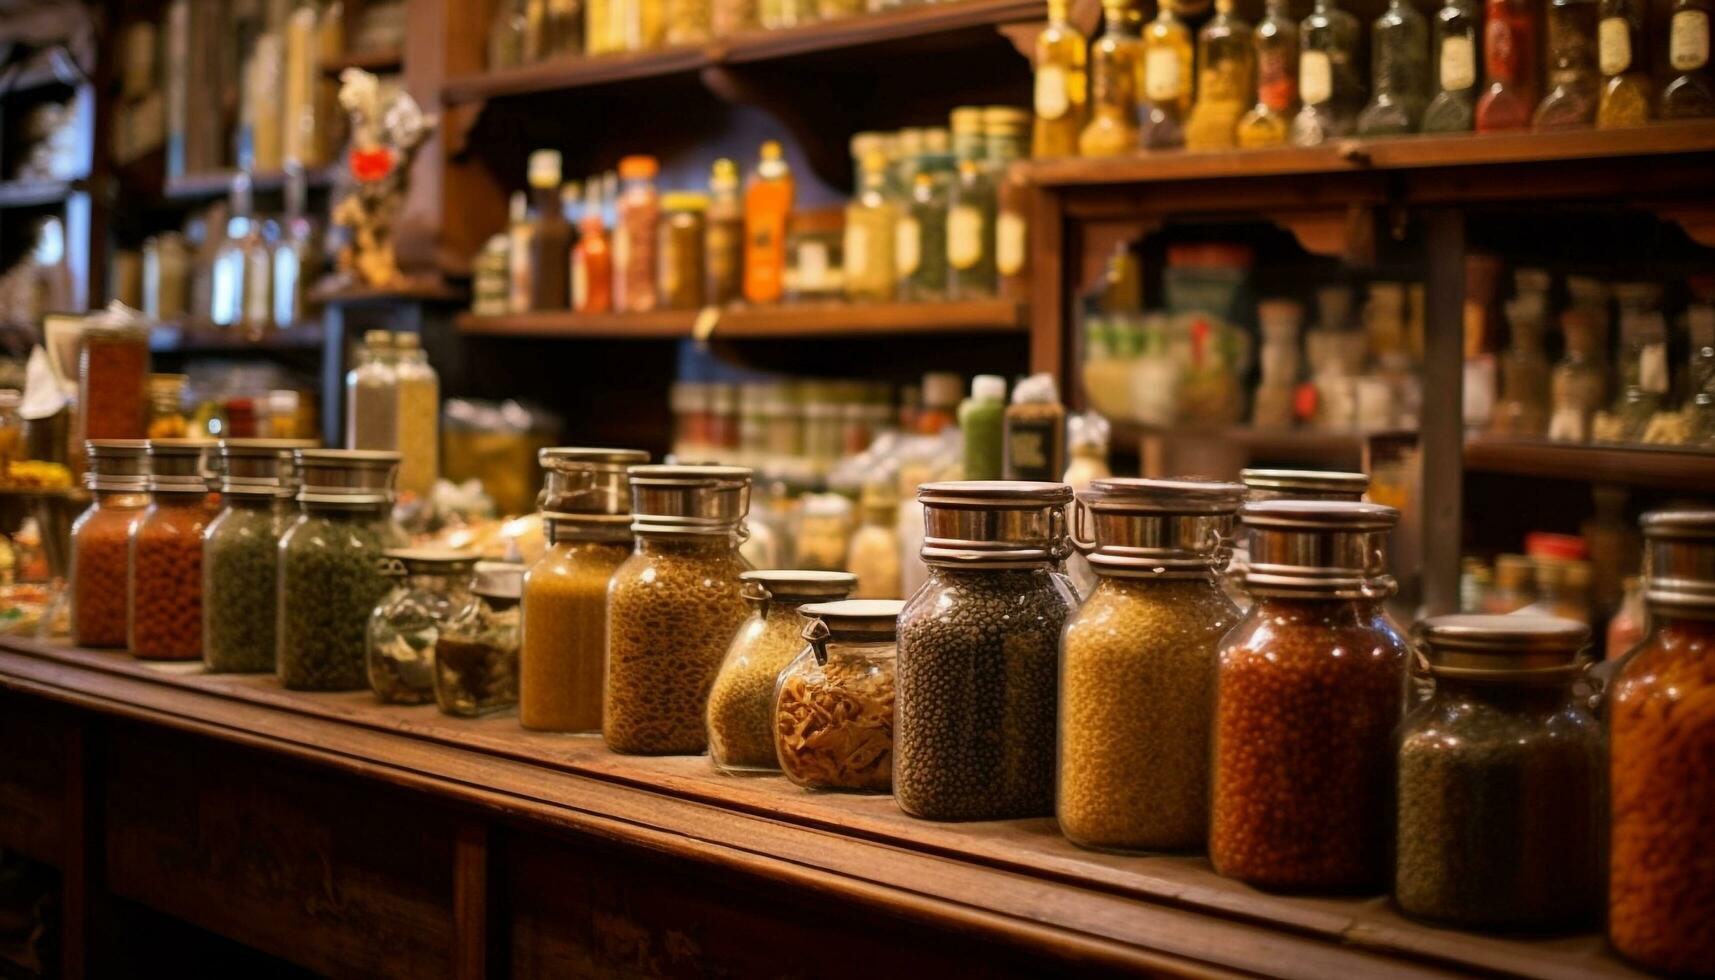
pixel 1458 63
pixel 812 266
pixel 1315 77
pixel 1161 75
pixel 1010 242
pixel 1276 86
pixel 1614 45
pixel 906 247
pixel 965 237
pixel 857 250
pixel 1052 98
pixel 1688 45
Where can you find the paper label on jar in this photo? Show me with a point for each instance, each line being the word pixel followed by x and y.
pixel 812 265
pixel 1458 63
pixel 906 247
pixel 1315 77
pixel 1614 45
pixel 1052 100
pixel 1009 243
pixel 1161 75
pixel 1652 368
pixel 965 236
pixel 857 250
pixel 1688 45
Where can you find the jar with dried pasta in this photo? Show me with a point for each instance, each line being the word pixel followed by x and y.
pixel 741 702
pixel 832 708
pixel 673 607
pixel 165 582
pixel 101 541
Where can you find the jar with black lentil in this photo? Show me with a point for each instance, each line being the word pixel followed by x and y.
pixel 741 702
pixel 165 582
pixel 979 643
pixel 333 567
pixel 674 606
pixel 1499 804
pixel 101 541
pixel 832 707
pixel 241 554
pixel 1661 717
pixel 432 587
pixel 476 654
pixel 1309 689
pixel 1138 664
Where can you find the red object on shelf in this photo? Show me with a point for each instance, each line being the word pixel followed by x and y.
pixel 1567 547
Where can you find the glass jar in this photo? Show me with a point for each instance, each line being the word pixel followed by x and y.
pixel 1167 75
pixel 1137 664
pixel 1661 718
pixel 101 541
pixel 1522 406
pixel 1624 62
pixel 1579 383
pixel 372 396
pixel 1399 70
pixel 164 587
pixel 1329 79
pixel 1453 110
pixel 634 236
pixel 1309 688
pixel 241 555
pixel 113 375
pixel 723 237
pixel 1060 95
pixel 476 652
pixel 831 708
pixel 1114 60
pixel 1510 84
pixel 979 652
pixel 1226 80
pixel 673 607
pixel 1276 42
pixel 1689 92
pixel 1499 813
pixel 741 702
pixel 166 277
pixel 874 552
pixel 333 567
pixel 1573 77
pixel 815 255
pixel 680 250
pixel 920 253
pixel 433 587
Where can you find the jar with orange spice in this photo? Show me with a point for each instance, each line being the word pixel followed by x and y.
pixel 1309 687
pixel 165 583
pixel 101 540
pixel 634 236
pixel 1661 712
pixel 113 375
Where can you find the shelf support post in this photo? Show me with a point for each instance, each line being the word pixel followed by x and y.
pixel 1442 420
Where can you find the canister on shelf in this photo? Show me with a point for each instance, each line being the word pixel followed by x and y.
pixel 832 707
pixel 476 651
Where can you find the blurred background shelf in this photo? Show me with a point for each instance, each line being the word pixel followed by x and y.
pixel 202 186
pixel 787 321
pixel 1662 467
pixel 211 339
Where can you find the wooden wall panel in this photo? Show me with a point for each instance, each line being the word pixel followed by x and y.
pixel 35 737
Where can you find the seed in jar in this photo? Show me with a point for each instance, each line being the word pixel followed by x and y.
pixel 741 701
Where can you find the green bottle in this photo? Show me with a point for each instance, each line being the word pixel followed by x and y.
pixel 981 423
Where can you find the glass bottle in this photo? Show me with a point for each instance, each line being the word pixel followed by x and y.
pixel 297 257
pixel 419 417
pixel 476 651
pixel 592 257
pixel 1624 63
pixel 372 396
pixel 1399 65
pixel 241 555
pixel 921 250
pixel 723 244
pixel 551 239
pixel 1061 91
pixel 1573 78
pixel 1579 381
pixel 1643 369
pixel 1690 91
pixel 870 235
pixel 1115 57
pixel 113 375
pixel 1454 108
pixel 1276 41
pixel 1510 81
pixel 229 274
pixel 681 233
pixel 101 540
pixel 506 34
pixel 1003 141
pixel 164 585
pixel 1522 407
pixel 639 207
pixel 432 586
pixel 1226 80
pixel 767 202
pixel 832 706
pixel 1329 83
pixel 970 232
pixel 520 226
pixel 1166 78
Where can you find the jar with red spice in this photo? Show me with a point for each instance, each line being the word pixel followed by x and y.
pixel 101 541
pixel 1510 82
pixel 1661 714
pixel 634 245
pixel 165 583
pixel 113 375
pixel 1308 690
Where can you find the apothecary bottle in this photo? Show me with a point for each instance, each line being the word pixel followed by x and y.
pixel 165 582
pixel 334 568
pixel 1004 129
pixel 1138 664
pixel 1573 78
pixel 979 642
pixel 1061 90
pixel 1643 368
pixel 1166 90
pixel 723 242
pixel 118 477
pixel 1276 43
pixel 1522 406
pixel 634 282
pixel 1309 689
pixel 1115 60
pixel 1627 96
pixel 1399 66
pixel 673 606
pixel 1226 80
pixel 372 396
pixel 741 702
pixel 1499 813
pixel 832 707
pixel 430 587
pixel 1689 92
pixel 241 554
pixel 476 651
pixel 1510 83
pixel 1329 83
pixel 920 249
pixel 113 374
pixel 1661 718
pixel 1457 27
pixel 871 234
pixel 1579 383
pixel 679 250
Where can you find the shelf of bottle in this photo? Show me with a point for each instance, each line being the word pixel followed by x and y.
pixel 189 338
pixel 1664 467
pixel 786 321
pixel 216 183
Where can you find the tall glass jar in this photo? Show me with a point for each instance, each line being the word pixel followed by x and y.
pixel 372 396
pixel 1138 661
pixel 1510 84
pixel 1329 79
pixel 1061 91
pixel 1276 42
pixel 1454 108
pixel 634 282
pixel 113 375
pixel 920 253
pixel 165 582
pixel 1115 57
pixel 723 237
pixel 241 554
pixel 680 249
pixel 476 651
pixel 1499 814
pixel 1579 382
pixel 1309 689
pixel 1226 80
pixel 1522 407
pixel 673 607
pixel 333 567
pixel 741 702
pixel 979 653
pixel 1573 78
pixel 1399 67
pixel 1661 718
pixel 433 587
pixel 1689 92
pixel 1624 63
pixel 832 707
pixel 871 235
pixel 419 418
pixel 1166 76
pixel 101 541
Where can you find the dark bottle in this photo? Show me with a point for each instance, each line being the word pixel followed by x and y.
pixel 1509 66
pixel 1454 108
pixel 1574 85
pixel 1399 66
pixel 551 241
pixel 1328 79
pixel 1689 92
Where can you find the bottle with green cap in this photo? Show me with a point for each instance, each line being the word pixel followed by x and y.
pixel 982 419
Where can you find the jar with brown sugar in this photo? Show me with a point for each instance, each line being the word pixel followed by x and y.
pixel 101 541
pixel 1309 688
pixel 165 581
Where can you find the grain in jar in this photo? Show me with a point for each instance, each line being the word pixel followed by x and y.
pixel 978 669
pixel 1138 664
pixel 1308 691
pixel 741 702
pixel 674 606
pixel 833 704
pixel 241 554
pixel 101 541
pixel 165 582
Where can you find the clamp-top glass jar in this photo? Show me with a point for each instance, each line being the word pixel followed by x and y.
pixel 741 702
pixel 673 606
pixel 476 656
pixel 1138 664
pixel 586 506
pixel 432 588
pixel 1303 485
pixel 165 584
pixel 1499 805
pixel 241 554
pixel 101 541
pixel 979 653
pixel 1661 717
pixel 832 707
pixel 1309 689
pixel 333 566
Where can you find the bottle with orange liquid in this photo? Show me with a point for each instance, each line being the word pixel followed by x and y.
pixel 592 257
pixel 767 202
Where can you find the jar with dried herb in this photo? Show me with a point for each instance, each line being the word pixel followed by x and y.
pixel 476 652
pixel 741 702
pixel 979 653
pixel 432 587
pixel 1499 795
pixel 333 567
pixel 101 541
pixel 165 583
pixel 1138 664
pixel 241 554
pixel 832 707
pixel 1309 688
pixel 674 606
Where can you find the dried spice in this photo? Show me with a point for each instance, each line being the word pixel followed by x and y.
pixel 166 578
pixel 403 630
pixel 565 635
pixel 101 546
pixel 332 574
pixel 741 702
pixel 834 725
pixel 476 656
pixel 241 560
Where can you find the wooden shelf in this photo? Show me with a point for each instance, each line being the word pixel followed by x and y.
pixel 210 339
pixel 1308 446
pixel 380 61
pixel 787 321
pixel 1664 467
pixel 204 186
pixel 35 193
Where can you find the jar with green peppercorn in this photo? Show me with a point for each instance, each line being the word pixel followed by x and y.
pixel 476 654
pixel 241 554
pixel 165 582
pixel 432 587
pixel 333 566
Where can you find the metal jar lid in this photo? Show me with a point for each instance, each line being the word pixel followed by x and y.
pixel 449 562
pixel 670 499
pixel 994 523
pixel 179 465
pixel 850 621
pixel 1304 484
pixel 258 467
pixel 117 465
pixel 1679 562
pixel 1510 648
pixel 796 586
pixel 580 481
pixel 498 580
pixel 1318 548
pixel 1156 528
pixel 346 476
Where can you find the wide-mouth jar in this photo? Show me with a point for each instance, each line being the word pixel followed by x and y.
pixel 994 523
pixel 1269 484
pixel 432 588
pixel 1318 548
pixel 832 706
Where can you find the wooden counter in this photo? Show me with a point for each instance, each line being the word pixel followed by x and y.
pixel 353 838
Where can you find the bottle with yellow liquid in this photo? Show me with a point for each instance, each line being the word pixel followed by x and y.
pixel 1062 86
pixel 1626 92
pixel 1276 43
pixel 1166 84
pixel 870 236
pixel 1226 80
pixel 1115 58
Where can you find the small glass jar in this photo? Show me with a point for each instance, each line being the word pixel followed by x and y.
pixel 166 277
pixel 634 264
pixel 975 733
pixel 433 587
pixel 1309 688
pixel 1263 485
pixel 831 709
pixel 476 654
pixel 815 255
pixel 101 541
pixel 680 250
pixel 741 702
pixel 113 375
pixel 241 554
pixel 164 587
